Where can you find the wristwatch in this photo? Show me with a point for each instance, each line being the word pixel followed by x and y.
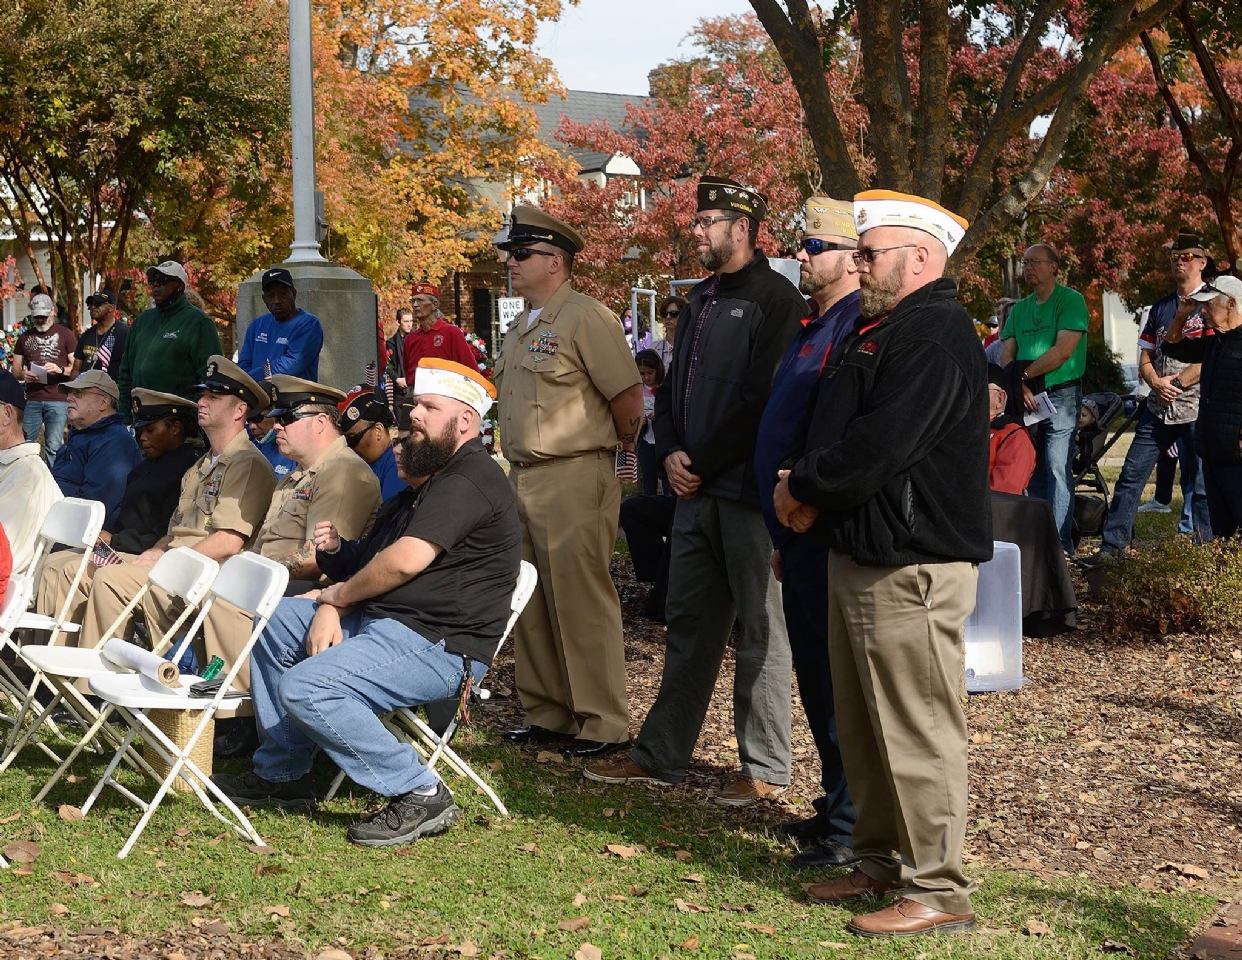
pixel 1177 382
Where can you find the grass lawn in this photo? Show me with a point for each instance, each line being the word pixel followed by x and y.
pixel 683 878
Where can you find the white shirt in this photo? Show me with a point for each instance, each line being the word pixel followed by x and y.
pixel 533 316
pixel 27 492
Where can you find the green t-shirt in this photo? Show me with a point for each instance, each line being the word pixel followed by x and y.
pixel 1035 326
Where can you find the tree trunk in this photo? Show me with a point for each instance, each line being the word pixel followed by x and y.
pixel 932 131
pixel 886 92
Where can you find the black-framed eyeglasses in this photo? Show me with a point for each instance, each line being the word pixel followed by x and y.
pixel 353 439
pixel 868 254
pixel 293 416
pixel 522 254
pixel 706 223
pixel 815 246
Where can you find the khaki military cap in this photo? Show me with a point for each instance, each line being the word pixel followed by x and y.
pixel 826 217
pixel 292 392
pixel 532 225
pixel 96 379
pixel 147 406
pixel 224 376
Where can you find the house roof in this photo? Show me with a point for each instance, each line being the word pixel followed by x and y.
pixel 584 106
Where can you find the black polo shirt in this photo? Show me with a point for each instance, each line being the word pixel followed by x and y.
pixel 463 597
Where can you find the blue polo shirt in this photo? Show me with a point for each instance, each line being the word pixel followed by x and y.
pixel 385 470
pixel 280 463
pixel 783 429
pixel 291 346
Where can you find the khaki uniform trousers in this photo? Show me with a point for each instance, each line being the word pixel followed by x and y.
pixel 897 655
pixel 569 650
pixel 53 589
pixel 224 633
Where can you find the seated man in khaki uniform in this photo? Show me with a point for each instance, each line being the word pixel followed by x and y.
pixel 331 482
pixel 223 499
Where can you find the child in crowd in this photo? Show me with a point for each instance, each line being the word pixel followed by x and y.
pixel 651 369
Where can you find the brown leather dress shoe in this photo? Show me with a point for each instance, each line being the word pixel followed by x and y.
pixel 854 885
pixel 624 770
pixel 747 790
pixel 908 918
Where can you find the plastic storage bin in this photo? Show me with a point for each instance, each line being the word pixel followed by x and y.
pixel 994 629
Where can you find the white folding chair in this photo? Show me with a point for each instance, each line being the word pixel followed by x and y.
pixel 181 573
pixel 12 689
pixel 73 523
pixel 249 582
pixel 407 725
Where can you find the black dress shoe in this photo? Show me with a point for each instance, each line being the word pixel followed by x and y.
pixel 533 734
pixel 593 749
pixel 825 855
pixel 813 828
pixel 236 737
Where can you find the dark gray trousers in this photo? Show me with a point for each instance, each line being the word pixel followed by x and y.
pixel 720 571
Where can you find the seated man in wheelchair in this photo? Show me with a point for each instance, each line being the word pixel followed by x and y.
pixel 416 612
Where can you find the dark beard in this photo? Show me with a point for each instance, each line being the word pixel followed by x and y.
pixel 717 255
pixel 421 456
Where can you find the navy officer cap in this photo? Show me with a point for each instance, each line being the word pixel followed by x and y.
pixel 224 376
pixel 148 406
pixel 532 225
pixel 292 392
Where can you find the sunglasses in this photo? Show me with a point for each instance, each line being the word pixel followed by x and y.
pixel 353 439
pixel 672 314
pixel 1184 257
pixel 290 418
pixel 522 254
pixel 815 246
pixel 868 254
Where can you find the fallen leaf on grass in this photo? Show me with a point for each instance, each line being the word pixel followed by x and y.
pixel 182 831
pixel 691 944
pixel 74 879
pixel 178 955
pixel 434 941
pixel 23 851
pixel 24 870
pixel 70 813
pixel 548 756
pixel 574 925
pixel 262 850
pixel 530 848
pixel 196 899
pixel 16 816
pixel 636 891
pixel 333 954
pixel 1036 928
pixel 217 928
pixel 58 909
pixel 738 907
pixel 692 878
pixel 1116 946
pixel 684 855
pixel 580 899
pixel 496 766
pixel 1185 869
pixel 467 949
pixel 620 850
pixel 684 906
pixel 835 944
pixel 277 910
pixel 267 869
pixel 760 927
pixel 588 951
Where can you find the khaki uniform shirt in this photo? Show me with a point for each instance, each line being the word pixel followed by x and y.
pixel 555 380
pixel 230 494
pixel 339 486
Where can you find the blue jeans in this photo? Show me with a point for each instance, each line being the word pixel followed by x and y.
pixel 52 416
pixel 804 594
pixel 1053 479
pixel 333 700
pixel 1152 437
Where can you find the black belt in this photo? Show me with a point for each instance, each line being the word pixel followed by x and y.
pixel 1066 383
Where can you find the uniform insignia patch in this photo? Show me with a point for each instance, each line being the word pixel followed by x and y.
pixel 302 493
pixel 807 350
pixel 869 348
pixel 437 340
pixel 735 312
pixel 816 223
pixel 212 490
pixel 861 216
pixel 352 413
pixel 711 194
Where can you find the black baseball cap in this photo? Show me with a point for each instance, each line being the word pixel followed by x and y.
pixel 277 275
pixel 11 391
pixel 100 297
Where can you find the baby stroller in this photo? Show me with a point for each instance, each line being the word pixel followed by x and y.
pixel 1096 417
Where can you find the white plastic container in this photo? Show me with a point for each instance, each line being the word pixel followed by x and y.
pixel 994 630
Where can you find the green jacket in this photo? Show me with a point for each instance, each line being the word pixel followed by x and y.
pixel 167 350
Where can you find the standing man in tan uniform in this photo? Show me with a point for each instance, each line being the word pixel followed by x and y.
pixel 223 499
pixel 570 398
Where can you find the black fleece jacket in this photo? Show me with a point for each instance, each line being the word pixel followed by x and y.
pixel 755 316
pixel 898 461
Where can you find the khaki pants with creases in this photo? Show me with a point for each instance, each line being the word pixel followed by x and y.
pixel 895 645
pixel 569 650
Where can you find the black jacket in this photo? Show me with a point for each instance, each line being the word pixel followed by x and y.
pixel 1218 430
pixel 899 438
pixel 152 490
pixel 756 314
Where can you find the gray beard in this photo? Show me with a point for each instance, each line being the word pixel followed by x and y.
pixel 43 327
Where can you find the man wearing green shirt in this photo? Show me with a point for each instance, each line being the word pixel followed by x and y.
pixel 1045 333
pixel 169 343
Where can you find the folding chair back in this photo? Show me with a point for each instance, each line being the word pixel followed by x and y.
pixel 15 602
pixel 184 573
pixel 252 583
pixel 71 522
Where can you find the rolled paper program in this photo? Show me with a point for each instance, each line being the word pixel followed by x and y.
pixel 125 654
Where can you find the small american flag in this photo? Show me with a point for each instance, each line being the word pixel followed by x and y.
pixel 103 555
pixel 104 355
pixel 267 369
pixel 372 376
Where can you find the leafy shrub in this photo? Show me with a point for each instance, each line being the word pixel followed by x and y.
pixel 1103 373
pixel 1176 587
